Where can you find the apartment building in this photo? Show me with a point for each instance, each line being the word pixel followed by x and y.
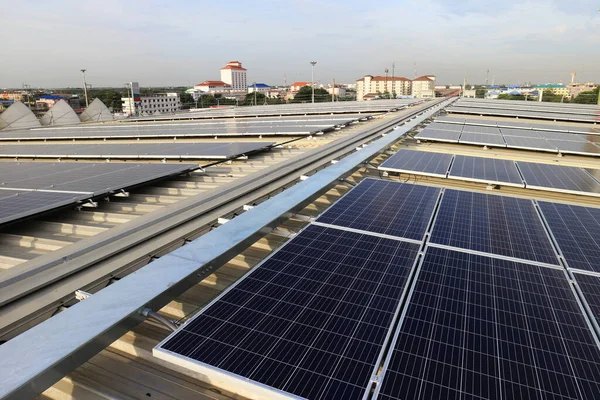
pixel 560 90
pixel 156 104
pixel 371 86
pixel 235 75
pixel 423 87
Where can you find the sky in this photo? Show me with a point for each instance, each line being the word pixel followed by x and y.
pixel 181 43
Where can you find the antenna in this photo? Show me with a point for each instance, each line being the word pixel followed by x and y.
pixel 415 69
pixel 487 76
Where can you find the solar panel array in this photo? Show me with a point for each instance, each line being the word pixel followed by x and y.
pixel 29 188
pixel 251 127
pixel 177 151
pixel 486 311
pixel 292 109
pixel 558 178
pixel 520 124
pixel 527 110
pixel 517 138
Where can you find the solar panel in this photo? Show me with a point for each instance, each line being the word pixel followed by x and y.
pixel 569 147
pixel 558 178
pixel 576 230
pixel 450 120
pixel 482 139
pixel 438 136
pixel 529 143
pixel 310 321
pixel 385 207
pixel 560 136
pixel 486 170
pixel 481 129
pixel 445 127
pixel 506 226
pixel 410 161
pixel 590 287
pixel 521 133
pixel 45 186
pixel 16 204
pixel 484 328
pixel 214 150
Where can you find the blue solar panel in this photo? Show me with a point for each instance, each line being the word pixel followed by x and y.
pixel 590 287
pixel 483 328
pixel 390 208
pixel 494 224
pixel 410 161
pixel 311 320
pixel 558 178
pixel 482 139
pixel 486 170
pixel 576 230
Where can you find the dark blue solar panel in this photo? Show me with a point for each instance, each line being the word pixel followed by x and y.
pixel 590 287
pixel 487 170
pixel 558 177
pixel 493 224
pixel 391 208
pixel 485 328
pixel 576 229
pixel 311 320
pixel 439 135
pixel 418 161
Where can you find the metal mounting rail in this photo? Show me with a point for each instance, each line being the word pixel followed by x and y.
pixel 39 357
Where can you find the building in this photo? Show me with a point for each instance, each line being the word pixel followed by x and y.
pixel 156 104
pixel 46 101
pixel 338 90
pixel 560 90
pixel 259 87
pixel 370 86
pixel 469 93
pixel 214 87
pixel 423 87
pixel 14 96
pixel 576 88
pixel 296 86
pixel 234 75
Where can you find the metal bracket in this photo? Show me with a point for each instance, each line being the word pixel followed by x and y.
pixel 81 295
pixel 121 193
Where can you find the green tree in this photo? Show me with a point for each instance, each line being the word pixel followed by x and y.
pixel 249 99
pixel 589 97
pixel 187 100
pixel 480 93
pixel 550 97
pixel 110 97
pixel 506 96
pixel 305 95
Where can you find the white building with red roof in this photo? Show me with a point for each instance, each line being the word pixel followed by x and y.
pixel 235 75
pixel 370 86
pixel 213 87
pixel 424 86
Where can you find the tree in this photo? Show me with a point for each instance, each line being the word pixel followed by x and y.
pixel 506 96
pixel 480 93
pixel 551 97
pixel 305 95
pixel 186 100
pixel 110 97
pixel 589 97
pixel 249 99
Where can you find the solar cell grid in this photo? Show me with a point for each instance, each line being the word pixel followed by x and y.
pixel 529 143
pixel 560 136
pixel 558 178
pixel 435 164
pixel 482 139
pixel 438 135
pixel 310 320
pixel 15 204
pixel 493 224
pixel 481 129
pixel 384 207
pixel 576 230
pixel 483 328
pixel 521 133
pixel 590 287
pixel 585 148
pixel 486 170
pixel 445 127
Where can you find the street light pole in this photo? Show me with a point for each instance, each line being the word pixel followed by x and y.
pixel 312 80
pixel 85 88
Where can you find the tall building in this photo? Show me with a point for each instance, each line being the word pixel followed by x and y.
pixel 371 86
pixel 423 87
pixel 156 104
pixel 235 75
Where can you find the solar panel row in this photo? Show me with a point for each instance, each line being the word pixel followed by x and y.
pixel 561 142
pixel 490 313
pixel 547 177
pixel 520 124
pixel 29 188
pixel 554 116
pixel 136 150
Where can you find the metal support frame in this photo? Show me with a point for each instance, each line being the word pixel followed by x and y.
pixel 39 357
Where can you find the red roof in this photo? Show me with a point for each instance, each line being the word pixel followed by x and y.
pixel 234 67
pixel 301 84
pixel 423 78
pixel 213 83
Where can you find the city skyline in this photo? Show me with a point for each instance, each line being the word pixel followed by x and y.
pixel 538 41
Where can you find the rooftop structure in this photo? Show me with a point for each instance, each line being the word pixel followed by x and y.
pixel 18 116
pixel 96 112
pixel 61 113
pixel 235 75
